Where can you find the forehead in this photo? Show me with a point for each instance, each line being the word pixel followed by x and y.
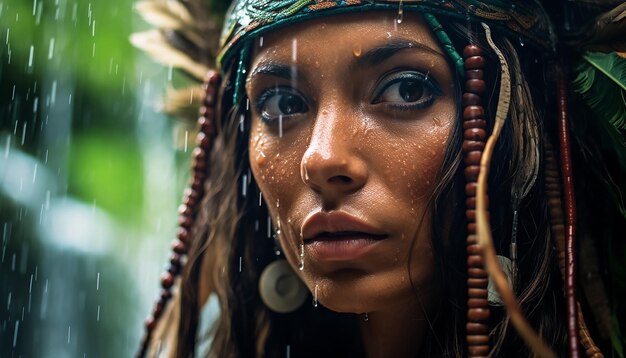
pixel 337 35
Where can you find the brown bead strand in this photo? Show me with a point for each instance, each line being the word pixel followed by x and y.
pixel 187 211
pixel 475 135
pixel 557 227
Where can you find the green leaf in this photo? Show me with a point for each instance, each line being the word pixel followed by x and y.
pixel 601 81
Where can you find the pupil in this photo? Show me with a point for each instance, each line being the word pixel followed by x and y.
pixel 290 104
pixel 411 91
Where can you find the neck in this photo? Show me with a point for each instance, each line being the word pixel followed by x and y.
pixel 396 331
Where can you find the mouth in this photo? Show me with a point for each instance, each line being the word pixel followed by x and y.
pixel 338 236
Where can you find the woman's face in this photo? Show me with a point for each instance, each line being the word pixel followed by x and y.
pixel 351 115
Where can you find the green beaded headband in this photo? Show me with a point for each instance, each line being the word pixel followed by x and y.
pixel 521 19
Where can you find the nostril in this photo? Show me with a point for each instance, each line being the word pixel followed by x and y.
pixel 340 179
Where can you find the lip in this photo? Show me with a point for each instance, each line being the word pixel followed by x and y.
pixel 339 236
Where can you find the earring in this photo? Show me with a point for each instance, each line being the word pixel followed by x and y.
pixel 280 288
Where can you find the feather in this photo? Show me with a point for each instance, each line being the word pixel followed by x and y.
pixel 601 81
pixel 164 14
pixel 608 32
pixel 154 43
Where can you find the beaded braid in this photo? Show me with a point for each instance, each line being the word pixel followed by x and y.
pixel 475 134
pixel 187 211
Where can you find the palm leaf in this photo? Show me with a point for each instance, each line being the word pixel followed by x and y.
pixel 601 81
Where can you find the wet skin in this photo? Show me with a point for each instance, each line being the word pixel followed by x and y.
pixel 354 122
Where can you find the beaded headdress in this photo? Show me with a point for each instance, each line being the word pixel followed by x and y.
pixel 189 39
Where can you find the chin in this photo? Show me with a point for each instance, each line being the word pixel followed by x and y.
pixel 352 291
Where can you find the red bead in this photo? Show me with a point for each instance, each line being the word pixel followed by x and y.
pixel 470 203
pixel 476 272
pixel 477 282
pixel 198 166
pixel 473 145
pixel 474 63
pixel 475 261
pixel 473 112
pixel 213 78
pixel 157 311
pixel 471 172
pixel 472 50
pixel 167 280
pixel 475 134
pixel 173 269
pixel 471 99
pixel 185 210
pixel 175 259
pixel 179 247
pixel 209 97
pixel 203 141
pixel 478 351
pixel 185 221
pixel 477 302
pixel 165 295
pixel 475 86
pixel 474 74
pixel 197 185
pixel 476 328
pixel 475 123
pixel 477 293
pixel 478 314
pixel 471 228
pixel 182 234
pixel 150 323
pixel 473 158
pixel 206 125
pixel 474 249
pixel 470 189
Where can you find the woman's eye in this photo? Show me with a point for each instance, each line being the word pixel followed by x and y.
pixel 280 102
pixel 407 90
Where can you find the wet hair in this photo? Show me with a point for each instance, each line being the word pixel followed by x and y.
pixel 232 226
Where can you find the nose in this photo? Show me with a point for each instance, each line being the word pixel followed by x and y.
pixel 333 164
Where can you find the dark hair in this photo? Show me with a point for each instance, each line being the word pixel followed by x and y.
pixel 232 226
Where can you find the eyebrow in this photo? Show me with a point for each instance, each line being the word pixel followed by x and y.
pixel 381 53
pixel 276 70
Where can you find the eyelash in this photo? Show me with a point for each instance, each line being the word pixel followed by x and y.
pixel 268 94
pixel 429 84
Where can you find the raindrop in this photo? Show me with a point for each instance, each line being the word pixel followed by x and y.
pixel 280 126
pixel 315 296
pixel 278 205
pixel 7 41
pixel 294 50
pixel 69 334
pixel 30 56
pixel 366 317
pixel 51 49
pixel 98 282
pixel 521 42
pixel 260 195
pixel 242 119
pixel 244 186
pixel 98 314
pixel 7 147
pixel 301 257
pixel 400 13
pixel 261 41
pixel 17 327
pixel 269 227
pixel 240 263
pixel 288 351
pixel 186 141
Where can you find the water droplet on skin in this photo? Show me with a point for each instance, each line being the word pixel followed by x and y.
pixel 301 267
pixel 357 50
pixel 315 297
pixel 400 13
pixel 260 159
pixel 366 317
